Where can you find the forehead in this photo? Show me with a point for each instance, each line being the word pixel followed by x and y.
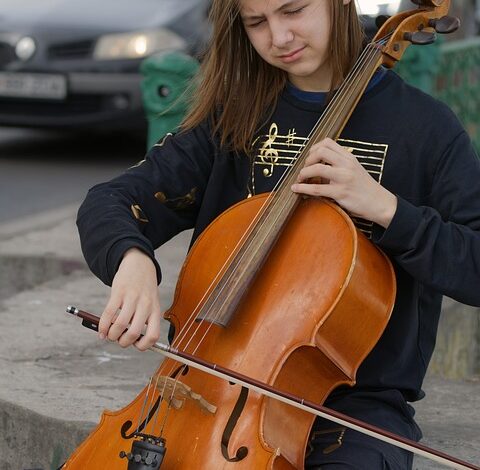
pixel 261 7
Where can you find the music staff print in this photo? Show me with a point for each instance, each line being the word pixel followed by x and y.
pixel 274 152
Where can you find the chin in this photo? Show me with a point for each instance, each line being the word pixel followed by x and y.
pixel 304 72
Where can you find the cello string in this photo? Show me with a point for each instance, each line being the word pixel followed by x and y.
pixel 197 347
pixel 209 327
pixel 260 241
pixel 289 196
pixel 369 54
pixel 160 397
pixel 266 204
pixel 152 401
pixel 338 103
pixel 317 129
pixel 144 404
pixel 201 340
pixel 231 20
pixel 167 411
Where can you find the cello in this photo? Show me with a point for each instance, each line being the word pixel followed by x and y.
pixel 232 310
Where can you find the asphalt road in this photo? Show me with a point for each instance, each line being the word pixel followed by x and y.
pixel 41 171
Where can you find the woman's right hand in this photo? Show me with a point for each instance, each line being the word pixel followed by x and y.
pixel 134 303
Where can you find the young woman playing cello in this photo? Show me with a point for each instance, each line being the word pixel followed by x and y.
pixel 404 168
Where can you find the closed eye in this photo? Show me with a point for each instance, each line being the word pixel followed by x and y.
pixel 253 25
pixel 294 12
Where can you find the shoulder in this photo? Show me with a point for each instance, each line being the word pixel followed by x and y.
pixel 419 109
pixel 410 118
pixel 192 142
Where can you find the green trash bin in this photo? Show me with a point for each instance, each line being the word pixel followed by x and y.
pixel 165 91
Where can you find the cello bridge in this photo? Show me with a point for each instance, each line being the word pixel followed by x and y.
pixel 176 393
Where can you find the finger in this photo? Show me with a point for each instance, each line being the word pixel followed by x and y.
pixel 323 154
pixel 315 171
pixel 326 143
pixel 335 146
pixel 315 190
pixel 121 322
pixel 332 152
pixel 108 315
pixel 152 333
pixel 136 326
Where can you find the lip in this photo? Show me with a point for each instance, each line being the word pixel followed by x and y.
pixel 292 56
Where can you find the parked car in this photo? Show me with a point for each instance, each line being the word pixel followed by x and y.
pixel 75 63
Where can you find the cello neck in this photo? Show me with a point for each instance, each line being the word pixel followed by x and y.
pixel 340 108
pixel 250 255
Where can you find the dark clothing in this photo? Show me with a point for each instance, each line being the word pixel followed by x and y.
pixel 336 447
pixel 411 143
pixel 424 157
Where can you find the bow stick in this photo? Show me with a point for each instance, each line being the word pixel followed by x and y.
pixel 91 321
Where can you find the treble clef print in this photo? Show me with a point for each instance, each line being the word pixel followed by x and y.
pixel 269 155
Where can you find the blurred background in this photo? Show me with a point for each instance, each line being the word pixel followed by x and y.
pixel 71 95
pixel 70 90
pixel 86 86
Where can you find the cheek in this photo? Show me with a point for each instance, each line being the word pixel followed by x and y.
pixel 263 52
pixel 259 42
pixel 316 33
pixel 318 38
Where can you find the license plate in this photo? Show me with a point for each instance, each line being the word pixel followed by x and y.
pixel 32 85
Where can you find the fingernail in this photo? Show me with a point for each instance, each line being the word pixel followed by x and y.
pixel 101 335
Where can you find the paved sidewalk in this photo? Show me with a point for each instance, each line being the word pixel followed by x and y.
pixel 56 378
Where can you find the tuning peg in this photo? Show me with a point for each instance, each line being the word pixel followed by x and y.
pixel 445 25
pixel 420 38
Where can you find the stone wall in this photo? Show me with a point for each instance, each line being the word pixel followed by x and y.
pixel 457 352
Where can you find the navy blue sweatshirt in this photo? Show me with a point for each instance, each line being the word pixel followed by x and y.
pixel 409 142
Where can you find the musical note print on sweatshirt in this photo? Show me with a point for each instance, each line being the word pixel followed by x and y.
pixel 275 152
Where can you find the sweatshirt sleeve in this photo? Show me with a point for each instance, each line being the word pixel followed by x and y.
pixel 148 204
pixel 439 243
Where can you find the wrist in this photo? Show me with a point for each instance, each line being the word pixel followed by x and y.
pixel 132 252
pixel 387 209
pixel 136 258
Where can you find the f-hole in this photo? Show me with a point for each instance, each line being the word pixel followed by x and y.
pixel 232 422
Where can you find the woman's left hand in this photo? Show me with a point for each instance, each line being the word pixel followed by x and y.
pixel 336 174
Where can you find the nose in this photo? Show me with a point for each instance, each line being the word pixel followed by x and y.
pixel 281 34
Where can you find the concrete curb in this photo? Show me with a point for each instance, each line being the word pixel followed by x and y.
pixel 29 435
pixel 39 221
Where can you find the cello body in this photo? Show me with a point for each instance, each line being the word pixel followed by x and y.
pixel 316 308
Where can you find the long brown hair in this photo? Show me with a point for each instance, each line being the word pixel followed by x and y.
pixel 236 88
